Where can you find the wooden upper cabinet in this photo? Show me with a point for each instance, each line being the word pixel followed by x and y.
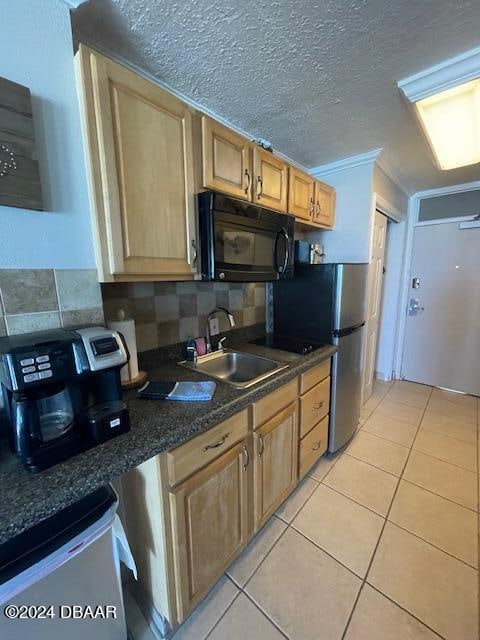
pixel 300 194
pixel 276 460
pixel 270 180
pixel 209 514
pixel 140 152
pixel 324 211
pixel 226 159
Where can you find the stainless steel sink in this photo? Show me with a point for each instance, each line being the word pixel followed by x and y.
pixel 240 370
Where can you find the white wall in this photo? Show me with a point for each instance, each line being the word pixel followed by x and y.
pixel 36 51
pixel 350 240
pixel 389 191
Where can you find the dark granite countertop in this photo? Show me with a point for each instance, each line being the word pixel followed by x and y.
pixel 26 499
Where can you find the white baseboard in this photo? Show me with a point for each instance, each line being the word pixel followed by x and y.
pixel 379 375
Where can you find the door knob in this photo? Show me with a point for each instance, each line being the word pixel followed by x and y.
pixel 414 307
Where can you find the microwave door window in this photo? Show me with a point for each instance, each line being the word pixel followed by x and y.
pixel 238 247
pixel 251 250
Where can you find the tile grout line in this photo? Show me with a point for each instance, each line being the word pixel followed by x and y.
pixel 370 464
pixel 408 424
pixel 457 466
pixel 411 447
pixel 458 504
pixel 275 624
pixel 289 526
pixel 396 523
pixel 224 613
pixel 372 586
pixel 375 466
pixel 381 532
pixel 364 580
pixel 353 499
pixel 446 435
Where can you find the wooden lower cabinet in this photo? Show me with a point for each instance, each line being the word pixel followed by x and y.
pixel 190 511
pixel 209 513
pixel 313 446
pixel 314 405
pixel 314 416
pixel 275 462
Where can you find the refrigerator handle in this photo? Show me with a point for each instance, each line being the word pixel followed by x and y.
pixel 340 333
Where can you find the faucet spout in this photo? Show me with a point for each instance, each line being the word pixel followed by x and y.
pixel 228 314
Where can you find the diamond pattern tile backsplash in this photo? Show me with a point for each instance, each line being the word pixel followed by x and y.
pixel 169 312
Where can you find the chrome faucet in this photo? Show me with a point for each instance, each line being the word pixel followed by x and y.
pixel 230 319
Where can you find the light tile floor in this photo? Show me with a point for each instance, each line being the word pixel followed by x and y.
pixel 378 542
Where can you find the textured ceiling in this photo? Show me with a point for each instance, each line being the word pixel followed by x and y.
pixel 317 79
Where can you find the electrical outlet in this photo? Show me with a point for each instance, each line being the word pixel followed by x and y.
pixel 214 326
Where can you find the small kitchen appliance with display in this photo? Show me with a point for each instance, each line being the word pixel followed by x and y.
pixel 61 392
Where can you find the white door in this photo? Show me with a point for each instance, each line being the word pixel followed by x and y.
pixel 375 281
pixel 442 341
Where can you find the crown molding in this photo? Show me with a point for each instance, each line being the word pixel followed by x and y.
pixel 346 163
pixel 394 174
pixel 440 77
pixel 80 38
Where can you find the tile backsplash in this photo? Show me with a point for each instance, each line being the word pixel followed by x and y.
pixel 169 312
pixel 165 313
pixel 37 299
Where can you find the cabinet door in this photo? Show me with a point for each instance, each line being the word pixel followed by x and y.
pixel 270 180
pixel 145 161
pixel 210 524
pixel 275 466
pixel 226 158
pixel 324 205
pixel 300 194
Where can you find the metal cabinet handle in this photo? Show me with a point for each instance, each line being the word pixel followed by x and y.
pixel 262 446
pixel 312 207
pixel 247 456
pixel 219 443
pixel 319 209
pixel 259 182
pixel 318 406
pixel 316 445
pixel 249 181
pixel 195 253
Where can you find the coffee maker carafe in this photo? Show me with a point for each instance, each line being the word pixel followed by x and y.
pixel 61 392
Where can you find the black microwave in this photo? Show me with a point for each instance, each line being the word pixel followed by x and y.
pixel 242 242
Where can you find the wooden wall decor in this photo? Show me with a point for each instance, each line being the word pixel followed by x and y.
pixel 19 172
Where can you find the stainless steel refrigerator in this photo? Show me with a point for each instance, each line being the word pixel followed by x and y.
pixel 326 303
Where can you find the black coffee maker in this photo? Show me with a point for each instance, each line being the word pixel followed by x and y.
pixel 61 392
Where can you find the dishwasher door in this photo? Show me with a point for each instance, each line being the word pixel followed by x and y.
pixel 346 391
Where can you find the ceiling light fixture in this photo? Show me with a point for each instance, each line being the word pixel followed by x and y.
pixel 446 99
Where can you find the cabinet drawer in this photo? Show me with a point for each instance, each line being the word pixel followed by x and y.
pixel 312 446
pixel 317 374
pixel 267 407
pixel 314 405
pixel 196 453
